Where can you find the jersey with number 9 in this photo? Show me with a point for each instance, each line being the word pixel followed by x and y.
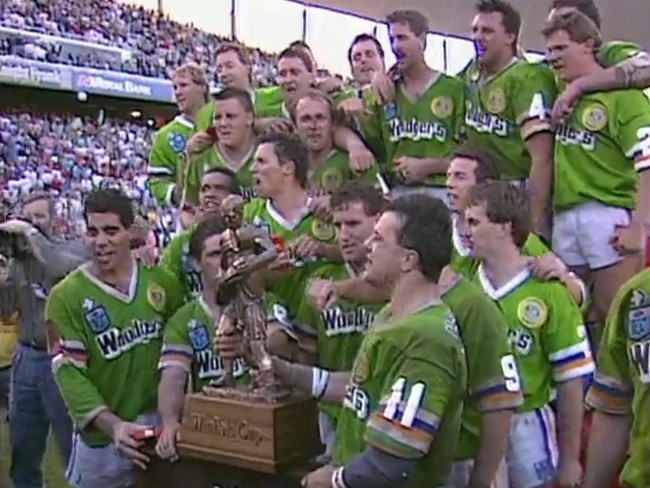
pixel 601 148
pixel 493 377
pixel 405 395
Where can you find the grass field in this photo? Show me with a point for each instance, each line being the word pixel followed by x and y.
pixel 52 467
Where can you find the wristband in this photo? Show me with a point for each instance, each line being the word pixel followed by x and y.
pixel 319 381
pixel 337 479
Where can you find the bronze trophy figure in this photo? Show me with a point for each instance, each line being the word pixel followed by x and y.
pixel 247 250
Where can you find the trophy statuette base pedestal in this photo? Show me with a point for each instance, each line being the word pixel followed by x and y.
pixel 269 437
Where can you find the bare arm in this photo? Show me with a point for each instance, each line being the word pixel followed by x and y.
pixel 171 394
pixel 106 421
pixel 540 146
pixel 634 72
pixel 495 427
pixel 324 385
pixel 360 290
pixel 642 212
pixel 608 445
pixel 346 139
pixel 570 411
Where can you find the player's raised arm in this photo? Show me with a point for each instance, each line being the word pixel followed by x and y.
pixel 611 395
pixel 68 343
pixel 328 386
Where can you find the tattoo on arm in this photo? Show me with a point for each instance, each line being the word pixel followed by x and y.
pixel 634 72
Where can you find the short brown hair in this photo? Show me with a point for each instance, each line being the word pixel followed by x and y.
pixel 298 53
pixel 238 49
pixel 504 203
pixel 415 19
pixel 587 7
pixel 510 18
pixel 488 166
pixel 196 74
pixel 318 95
pixel 242 96
pixel 358 191
pixel 577 25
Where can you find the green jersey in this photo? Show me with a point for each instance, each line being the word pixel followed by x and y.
pixel 339 330
pixel 599 151
pixel 188 344
pixel 335 171
pixel 506 110
pixel 622 383
pixel 177 260
pixel 107 344
pixel 405 395
pixel 166 158
pixel 427 128
pixel 289 290
pixel 546 334
pixel 213 158
pixel 493 380
pixel 265 101
pixel 614 52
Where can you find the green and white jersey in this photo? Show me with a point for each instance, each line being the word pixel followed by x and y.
pixel 166 158
pixel 289 289
pixel 546 333
pixel 213 158
pixel 338 330
pixel 265 100
pixel 427 128
pixel 405 395
pixel 177 260
pixel 493 379
pixel 601 149
pixel 334 171
pixel 504 111
pixel 622 383
pixel 107 344
pixel 188 344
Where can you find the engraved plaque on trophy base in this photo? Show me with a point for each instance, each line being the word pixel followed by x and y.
pixel 269 437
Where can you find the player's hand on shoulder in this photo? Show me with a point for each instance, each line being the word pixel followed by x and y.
pixel 548 267
pixel 322 293
pixel 566 103
pixel 354 107
pixel 273 124
pixel 199 142
pixel 361 158
pixel 146 255
pixel 330 85
pixel 320 206
pixel 166 443
pixel 383 87
pixel 125 437
pixel 306 247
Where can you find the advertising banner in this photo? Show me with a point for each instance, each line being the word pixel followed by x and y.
pixel 17 71
pixel 114 84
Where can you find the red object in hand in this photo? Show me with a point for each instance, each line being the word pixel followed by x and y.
pixel 147 433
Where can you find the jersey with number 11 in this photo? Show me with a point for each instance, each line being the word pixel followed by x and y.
pixel 504 111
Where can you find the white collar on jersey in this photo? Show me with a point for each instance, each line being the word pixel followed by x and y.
pixel 275 215
pixel 111 290
pixel 181 119
pixel 457 238
pixel 499 293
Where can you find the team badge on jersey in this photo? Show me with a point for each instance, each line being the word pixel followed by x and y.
pixel 156 297
pixel 496 101
pixel 442 107
pixel 199 337
pixel 177 142
pixel 532 312
pixel 391 111
pixel 594 117
pixel 96 316
pixel 639 316
pixel 322 230
pixel 361 368
pixel 331 180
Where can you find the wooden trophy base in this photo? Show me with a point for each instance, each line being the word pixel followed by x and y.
pixel 268 437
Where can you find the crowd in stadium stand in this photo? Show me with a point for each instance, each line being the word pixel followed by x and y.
pixel 156 43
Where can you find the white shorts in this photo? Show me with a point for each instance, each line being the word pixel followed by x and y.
pixel 327 431
pixel 532 456
pixel 461 471
pixel 582 235
pixel 101 467
pixel 439 192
